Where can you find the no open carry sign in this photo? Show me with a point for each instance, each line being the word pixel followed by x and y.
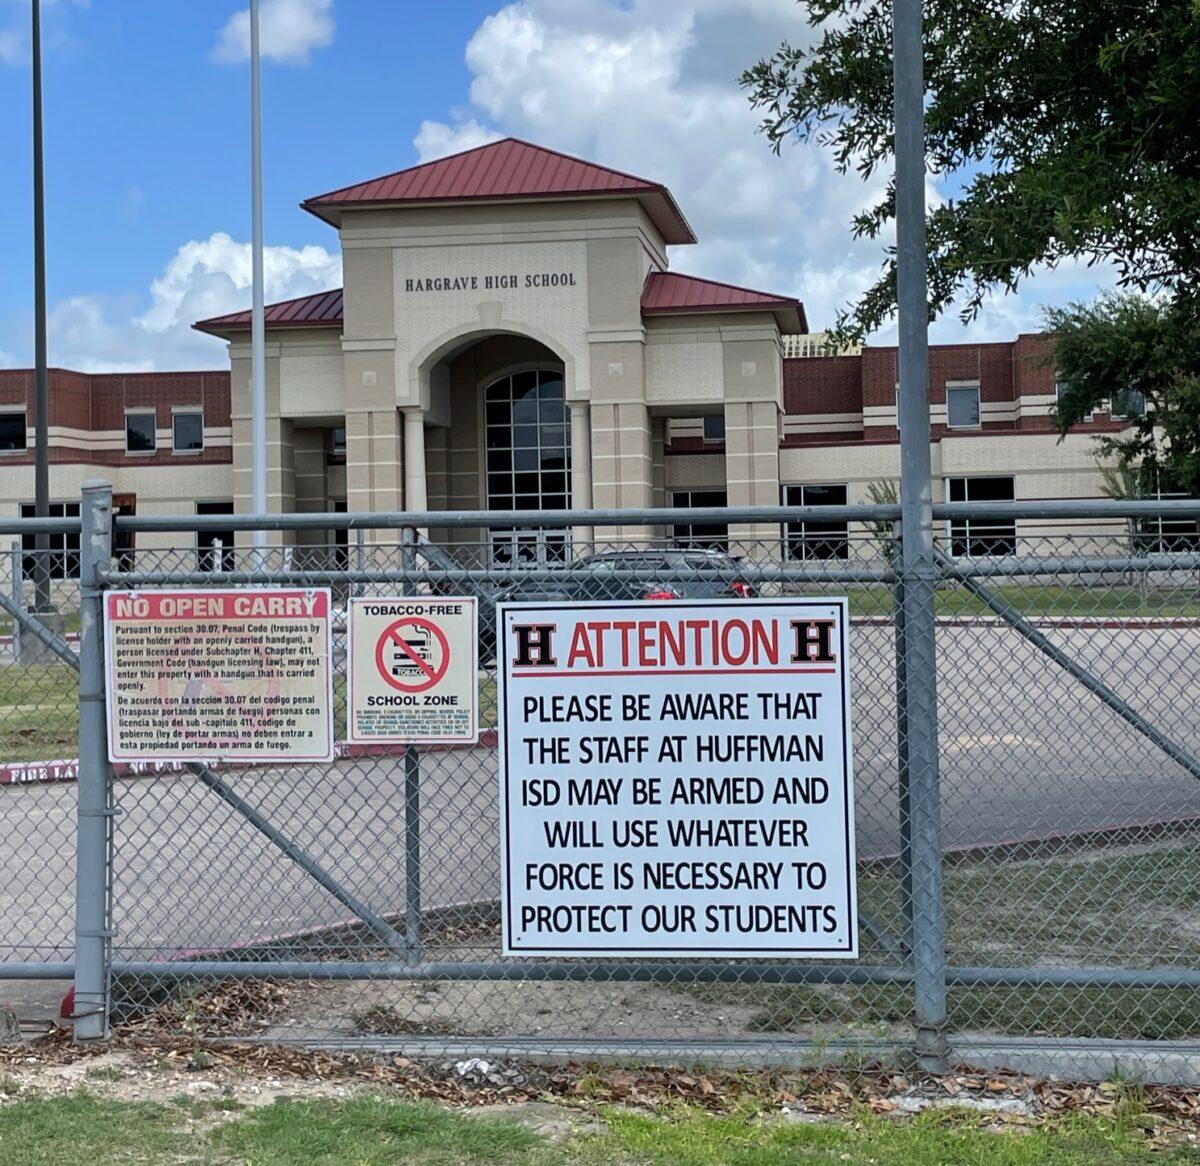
pixel 413 670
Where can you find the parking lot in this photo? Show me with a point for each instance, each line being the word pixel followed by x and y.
pixel 1026 752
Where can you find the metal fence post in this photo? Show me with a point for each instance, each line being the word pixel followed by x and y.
pixel 412 792
pixel 904 806
pixel 93 811
pixel 17 566
pixel 917 565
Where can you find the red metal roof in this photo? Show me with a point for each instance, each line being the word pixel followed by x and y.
pixel 668 294
pixel 511 170
pixel 323 310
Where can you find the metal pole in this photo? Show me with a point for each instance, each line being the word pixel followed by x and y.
pixel 916 549
pixel 41 410
pixel 412 852
pixel 904 802
pixel 93 813
pixel 412 788
pixel 258 357
pixel 17 568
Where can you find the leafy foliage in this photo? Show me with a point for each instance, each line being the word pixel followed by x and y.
pixel 1122 345
pixel 1069 124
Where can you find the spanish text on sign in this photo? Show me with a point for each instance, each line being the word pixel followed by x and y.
pixel 219 675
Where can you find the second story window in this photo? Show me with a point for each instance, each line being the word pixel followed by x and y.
pixel 714 427
pixel 187 431
pixel 1130 403
pixel 140 435
pixel 1060 389
pixel 962 406
pixel 12 431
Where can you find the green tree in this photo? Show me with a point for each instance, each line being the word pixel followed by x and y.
pixel 1069 128
pixel 1140 358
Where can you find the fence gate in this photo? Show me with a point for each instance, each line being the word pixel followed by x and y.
pixel 1027 882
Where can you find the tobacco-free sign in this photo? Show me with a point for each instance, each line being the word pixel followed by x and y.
pixel 413 670
pixel 676 779
pixel 210 675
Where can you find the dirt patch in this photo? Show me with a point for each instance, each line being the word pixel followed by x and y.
pixel 531 1009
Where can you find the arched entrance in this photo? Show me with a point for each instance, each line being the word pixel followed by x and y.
pixel 527 438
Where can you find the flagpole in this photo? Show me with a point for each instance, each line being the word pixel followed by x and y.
pixel 258 359
pixel 41 409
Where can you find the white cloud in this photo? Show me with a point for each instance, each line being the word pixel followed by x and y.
pixel 435 139
pixel 96 333
pixel 14 36
pixel 652 88
pixel 289 31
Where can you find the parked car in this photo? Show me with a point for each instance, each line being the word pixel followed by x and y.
pixel 643 574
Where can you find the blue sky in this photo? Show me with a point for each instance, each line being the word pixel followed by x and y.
pixel 147 149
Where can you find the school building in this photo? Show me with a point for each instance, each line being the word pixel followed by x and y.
pixel 512 335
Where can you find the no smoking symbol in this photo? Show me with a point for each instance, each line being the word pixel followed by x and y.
pixel 412 654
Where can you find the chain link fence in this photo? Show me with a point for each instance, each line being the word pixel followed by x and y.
pixel 1057 913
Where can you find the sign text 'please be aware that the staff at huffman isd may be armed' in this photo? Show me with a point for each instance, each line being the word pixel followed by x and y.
pixel 676 779
pixel 219 675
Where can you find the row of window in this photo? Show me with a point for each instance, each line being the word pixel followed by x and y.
pixel 969 538
pixel 141 431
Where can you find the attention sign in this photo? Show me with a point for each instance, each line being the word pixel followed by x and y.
pixel 211 675
pixel 676 779
pixel 413 670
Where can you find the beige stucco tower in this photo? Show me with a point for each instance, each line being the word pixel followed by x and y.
pixel 509 336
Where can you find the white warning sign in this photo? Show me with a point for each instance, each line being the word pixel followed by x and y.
pixel 211 675
pixel 676 779
pixel 413 670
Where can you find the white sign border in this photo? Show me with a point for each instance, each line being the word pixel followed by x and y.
pixel 503 610
pixel 473 737
pixel 216 759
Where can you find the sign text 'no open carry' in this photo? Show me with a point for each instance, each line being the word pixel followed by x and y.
pixel 414 670
pixel 210 675
pixel 676 779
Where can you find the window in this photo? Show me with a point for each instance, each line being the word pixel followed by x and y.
pixel 527 431
pixel 970 537
pixel 140 436
pixel 714 427
pixel 816 540
pixel 12 431
pixel 1130 403
pixel 1060 389
pixel 214 548
pixel 1159 534
pixel 689 534
pixel 335 449
pixel 187 431
pixel 962 406
pixel 64 548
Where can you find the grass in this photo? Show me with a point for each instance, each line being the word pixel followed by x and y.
pixel 39 712
pixel 1035 599
pixel 81 1130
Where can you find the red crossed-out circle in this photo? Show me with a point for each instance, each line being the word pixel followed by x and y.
pixel 391 637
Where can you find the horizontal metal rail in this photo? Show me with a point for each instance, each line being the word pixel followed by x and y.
pixel 759 974
pixel 36 971
pixel 508 579
pixel 767 974
pixel 667 516
pixel 11 525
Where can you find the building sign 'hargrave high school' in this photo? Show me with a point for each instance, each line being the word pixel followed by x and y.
pixel 510 336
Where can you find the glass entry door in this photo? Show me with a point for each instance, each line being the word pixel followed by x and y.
pixel 527 431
